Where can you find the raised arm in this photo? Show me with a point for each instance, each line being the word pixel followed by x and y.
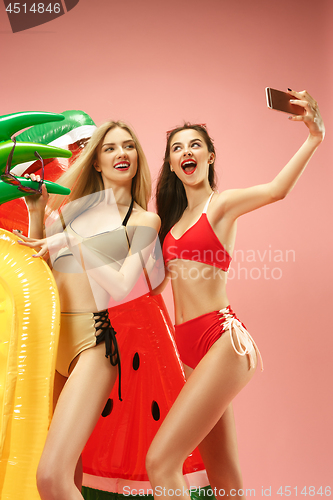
pixel 236 202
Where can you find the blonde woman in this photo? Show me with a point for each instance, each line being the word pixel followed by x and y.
pixel 104 216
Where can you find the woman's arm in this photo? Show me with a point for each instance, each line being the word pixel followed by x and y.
pixel 237 202
pixel 118 283
pixel 159 289
pixel 36 208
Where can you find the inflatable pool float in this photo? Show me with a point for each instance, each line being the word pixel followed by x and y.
pixel 29 328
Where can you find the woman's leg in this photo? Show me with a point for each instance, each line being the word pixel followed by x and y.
pixel 78 408
pixel 59 382
pixel 217 379
pixel 219 452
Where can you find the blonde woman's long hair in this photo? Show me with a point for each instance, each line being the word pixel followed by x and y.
pixel 83 179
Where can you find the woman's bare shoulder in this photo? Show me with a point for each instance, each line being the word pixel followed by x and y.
pixel 218 202
pixel 145 218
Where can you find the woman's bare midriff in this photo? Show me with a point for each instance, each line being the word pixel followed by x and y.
pixel 197 289
pixel 75 292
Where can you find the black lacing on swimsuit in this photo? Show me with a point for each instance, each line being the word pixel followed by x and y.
pixel 105 331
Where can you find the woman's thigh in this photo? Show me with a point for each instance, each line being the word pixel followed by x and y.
pixel 209 390
pixel 59 383
pixel 219 452
pixel 219 449
pixel 79 405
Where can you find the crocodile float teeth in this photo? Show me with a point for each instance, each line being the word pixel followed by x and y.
pixel 25 151
pixel 9 124
pixel 10 193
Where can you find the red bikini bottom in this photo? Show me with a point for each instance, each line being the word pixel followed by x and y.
pixel 195 337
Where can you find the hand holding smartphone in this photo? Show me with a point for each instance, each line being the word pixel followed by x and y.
pixel 280 101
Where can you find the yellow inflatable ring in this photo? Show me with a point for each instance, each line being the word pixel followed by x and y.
pixel 29 330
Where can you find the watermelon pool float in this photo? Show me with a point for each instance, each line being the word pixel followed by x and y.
pixel 152 376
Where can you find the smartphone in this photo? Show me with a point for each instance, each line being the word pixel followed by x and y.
pixel 276 99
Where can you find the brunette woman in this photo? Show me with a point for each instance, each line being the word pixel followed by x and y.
pixel 89 247
pixel 198 231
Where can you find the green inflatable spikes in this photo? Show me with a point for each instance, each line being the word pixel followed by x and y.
pixel 50 132
pixel 9 124
pixel 9 192
pixel 24 151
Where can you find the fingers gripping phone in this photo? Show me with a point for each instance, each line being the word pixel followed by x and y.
pixel 276 99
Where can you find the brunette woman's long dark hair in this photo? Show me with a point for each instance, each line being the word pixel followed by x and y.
pixel 171 198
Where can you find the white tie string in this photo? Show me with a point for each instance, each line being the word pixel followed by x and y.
pixel 246 344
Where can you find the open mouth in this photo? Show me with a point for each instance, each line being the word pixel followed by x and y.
pixel 124 165
pixel 189 166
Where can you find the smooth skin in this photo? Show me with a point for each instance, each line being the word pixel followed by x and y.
pixel 80 399
pixel 202 414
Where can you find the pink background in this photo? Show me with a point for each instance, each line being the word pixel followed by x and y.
pixel 155 64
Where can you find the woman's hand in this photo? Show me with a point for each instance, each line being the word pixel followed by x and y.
pixel 50 245
pixel 36 202
pixel 311 116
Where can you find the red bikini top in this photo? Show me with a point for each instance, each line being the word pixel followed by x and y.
pixel 199 243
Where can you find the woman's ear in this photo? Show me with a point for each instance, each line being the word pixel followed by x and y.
pixel 96 167
pixel 211 158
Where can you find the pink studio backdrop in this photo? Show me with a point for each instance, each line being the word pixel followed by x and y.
pixel 155 64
